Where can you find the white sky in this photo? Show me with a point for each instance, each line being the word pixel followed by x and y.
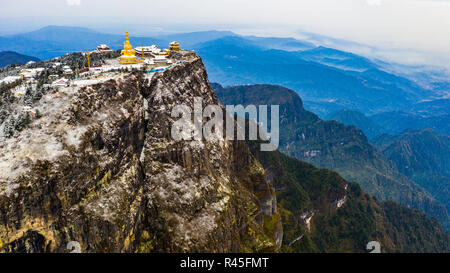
pixel 409 24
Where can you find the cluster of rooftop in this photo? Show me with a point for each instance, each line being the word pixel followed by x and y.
pixel 147 54
pixel 58 72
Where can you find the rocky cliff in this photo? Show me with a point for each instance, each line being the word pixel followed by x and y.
pixel 334 146
pixel 321 212
pixel 98 166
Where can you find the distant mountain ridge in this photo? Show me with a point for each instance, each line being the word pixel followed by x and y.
pixel 398 121
pixel 235 61
pixel 11 57
pixel 192 38
pixel 328 80
pixel 358 119
pixel 39 43
pixel 337 58
pixel 431 108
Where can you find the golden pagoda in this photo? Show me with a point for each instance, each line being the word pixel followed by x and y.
pixel 175 46
pixel 128 54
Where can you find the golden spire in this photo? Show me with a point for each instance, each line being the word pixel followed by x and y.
pixel 128 54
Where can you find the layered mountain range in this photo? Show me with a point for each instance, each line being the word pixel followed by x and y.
pixel 332 145
pixel 328 80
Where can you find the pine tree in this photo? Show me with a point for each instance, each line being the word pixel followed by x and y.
pixel 8 129
pixel 28 98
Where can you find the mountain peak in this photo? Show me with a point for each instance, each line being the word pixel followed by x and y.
pixel 64 28
pixel 12 57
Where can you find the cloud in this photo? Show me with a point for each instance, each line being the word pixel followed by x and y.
pixel 374 2
pixel 73 2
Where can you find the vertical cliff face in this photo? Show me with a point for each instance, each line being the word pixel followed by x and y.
pixel 100 168
pixel 334 146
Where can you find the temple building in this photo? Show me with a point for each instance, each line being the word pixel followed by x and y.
pixel 160 59
pixel 128 54
pixel 175 46
pixel 104 49
pixel 165 52
pixel 149 51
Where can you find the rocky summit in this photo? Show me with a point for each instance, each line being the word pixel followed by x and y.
pixel 98 166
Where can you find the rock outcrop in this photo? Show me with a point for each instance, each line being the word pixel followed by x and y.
pixel 99 167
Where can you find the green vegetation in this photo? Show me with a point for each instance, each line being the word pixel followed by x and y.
pixel 302 187
pixel 423 156
pixel 334 146
pixel 367 125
